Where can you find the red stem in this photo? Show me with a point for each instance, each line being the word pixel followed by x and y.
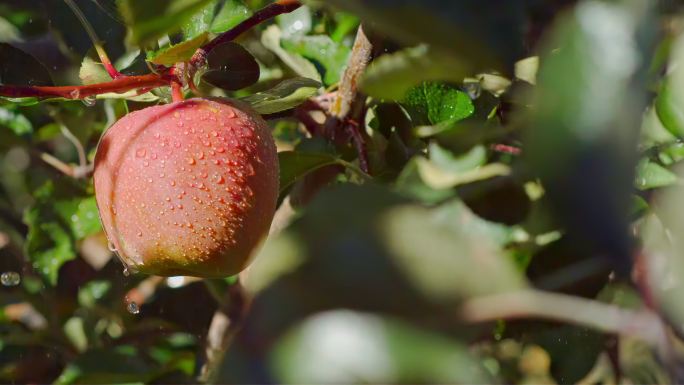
pixel 120 85
pixel 176 92
pixel 269 11
pixel 113 73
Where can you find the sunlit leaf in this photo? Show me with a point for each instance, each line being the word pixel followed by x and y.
pixel 287 94
pixel 231 14
pixel 179 52
pixel 148 20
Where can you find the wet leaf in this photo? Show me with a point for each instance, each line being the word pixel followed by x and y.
pixel 231 14
pixel 180 52
pixel 231 67
pixel 148 20
pixel 287 94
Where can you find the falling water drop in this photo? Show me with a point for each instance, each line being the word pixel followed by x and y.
pixel 10 278
pixel 133 308
pixel 89 101
pixel 111 247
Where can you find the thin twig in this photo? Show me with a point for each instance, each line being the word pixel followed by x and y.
pixel 224 326
pixel 340 110
pixel 82 161
pixel 526 304
pixel 113 73
pixel 120 85
pixel 60 166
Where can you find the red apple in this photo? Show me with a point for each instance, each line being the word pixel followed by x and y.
pixel 187 188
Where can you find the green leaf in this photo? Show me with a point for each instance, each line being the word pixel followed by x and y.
pixel 19 68
pixel 391 76
pixel 92 292
pixel 200 22
pixel 61 214
pixel 271 39
pixel 92 72
pixel 231 14
pixel 114 365
pixel 394 352
pixel 295 165
pixel 669 106
pixel 439 102
pixel 650 175
pixel 180 52
pixel 284 96
pixel 584 125
pixel 147 20
pixel 231 67
pixel 447 161
pixel 320 49
pixel 15 121
pixel 296 23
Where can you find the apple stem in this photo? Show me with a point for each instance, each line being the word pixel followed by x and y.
pixel 176 91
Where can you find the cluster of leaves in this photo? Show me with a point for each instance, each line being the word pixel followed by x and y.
pixel 506 153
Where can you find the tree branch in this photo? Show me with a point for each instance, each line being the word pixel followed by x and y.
pixel 224 326
pixel 644 324
pixel 341 111
pixel 120 85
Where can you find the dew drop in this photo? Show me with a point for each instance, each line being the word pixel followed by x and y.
pixel 10 278
pixel 173 183
pixel 218 178
pixel 200 155
pixel 214 133
pixel 220 150
pixel 140 233
pixel 191 161
pixel 133 308
pixel 89 101
pixel 231 113
pixel 111 247
pixel 156 135
pixel 140 153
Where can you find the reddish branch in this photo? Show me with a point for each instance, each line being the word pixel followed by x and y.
pixel 165 77
pixel 120 85
pixel 268 12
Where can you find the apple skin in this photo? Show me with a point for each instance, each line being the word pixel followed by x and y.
pixel 187 188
